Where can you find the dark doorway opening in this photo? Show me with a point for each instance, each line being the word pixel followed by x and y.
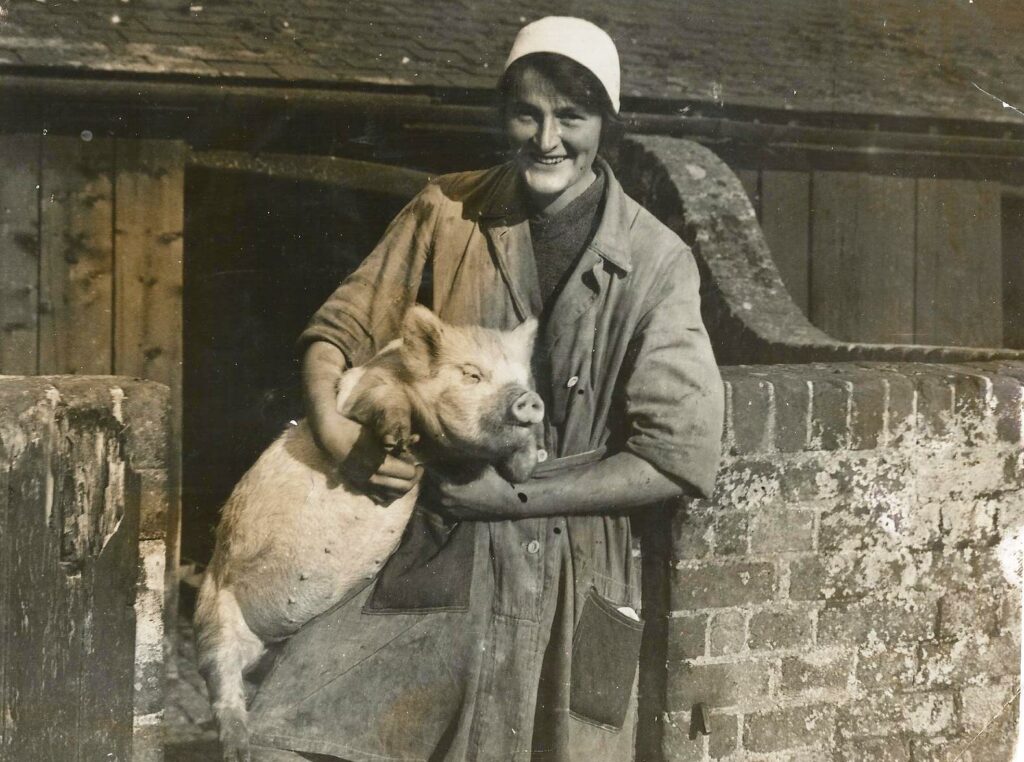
pixel 262 254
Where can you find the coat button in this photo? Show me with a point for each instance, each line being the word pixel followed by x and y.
pixel 572 382
pixel 542 455
pixel 533 547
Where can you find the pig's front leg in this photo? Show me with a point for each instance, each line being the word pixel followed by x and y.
pixel 384 407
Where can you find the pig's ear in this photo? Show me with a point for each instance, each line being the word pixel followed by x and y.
pixel 421 336
pixel 526 332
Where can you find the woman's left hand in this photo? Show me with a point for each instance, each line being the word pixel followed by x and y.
pixel 484 498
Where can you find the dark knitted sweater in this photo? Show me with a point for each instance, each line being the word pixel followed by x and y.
pixel 559 239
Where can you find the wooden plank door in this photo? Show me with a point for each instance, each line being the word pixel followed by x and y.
pixel 76 256
pixel 862 257
pixel 958 288
pixel 19 253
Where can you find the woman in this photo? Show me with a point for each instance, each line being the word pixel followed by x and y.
pixel 509 628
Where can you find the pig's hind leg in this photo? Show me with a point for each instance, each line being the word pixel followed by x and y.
pixel 227 649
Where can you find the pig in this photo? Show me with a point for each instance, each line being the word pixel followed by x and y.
pixel 294 538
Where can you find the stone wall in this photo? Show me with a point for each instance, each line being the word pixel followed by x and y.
pixel 841 596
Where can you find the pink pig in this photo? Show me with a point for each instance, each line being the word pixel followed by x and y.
pixel 293 539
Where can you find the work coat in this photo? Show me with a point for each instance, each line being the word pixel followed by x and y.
pixel 510 640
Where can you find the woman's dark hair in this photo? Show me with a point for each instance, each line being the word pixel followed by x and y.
pixel 570 80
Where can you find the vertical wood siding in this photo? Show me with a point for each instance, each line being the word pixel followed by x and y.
pixel 862 257
pixel 91 256
pixel 19 254
pixel 76 256
pixel 785 219
pixel 959 285
pixel 902 260
pixel 1013 269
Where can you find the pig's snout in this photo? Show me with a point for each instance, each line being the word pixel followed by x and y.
pixel 528 408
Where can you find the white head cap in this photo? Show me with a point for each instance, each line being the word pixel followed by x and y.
pixel 585 43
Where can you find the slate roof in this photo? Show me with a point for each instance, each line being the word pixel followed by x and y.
pixel 896 57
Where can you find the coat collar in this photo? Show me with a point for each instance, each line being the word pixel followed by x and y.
pixel 505 207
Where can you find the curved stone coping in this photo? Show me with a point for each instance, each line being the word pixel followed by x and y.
pixel 747 309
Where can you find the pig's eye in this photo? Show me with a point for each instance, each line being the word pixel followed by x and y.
pixel 471 375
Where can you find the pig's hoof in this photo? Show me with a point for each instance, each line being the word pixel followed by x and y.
pixel 396 438
pixel 234 740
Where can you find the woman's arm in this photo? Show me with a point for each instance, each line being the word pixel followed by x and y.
pixel 613 485
pixel 359 454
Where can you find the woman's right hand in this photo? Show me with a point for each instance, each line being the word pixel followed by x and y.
pixel 360 456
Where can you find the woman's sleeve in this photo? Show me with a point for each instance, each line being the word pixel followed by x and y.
pixel 674 396
pixel 365 311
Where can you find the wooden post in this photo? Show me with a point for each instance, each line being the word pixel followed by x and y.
pixel 83 464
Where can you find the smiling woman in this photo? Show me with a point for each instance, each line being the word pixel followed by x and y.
pixel 506 626
pixel 554 111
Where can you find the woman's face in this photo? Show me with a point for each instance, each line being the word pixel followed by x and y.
pixel 555 141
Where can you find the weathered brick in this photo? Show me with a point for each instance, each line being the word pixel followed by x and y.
pixel 875 750
pixel 779 629
pixel 687 636
pixel 886 714
pixel 980 704
pixel 971 394
pixel 751 413
pixel 863 526
pixel 902 409
pixel 886 621
pixel 726 635
pixel 867 423
pixel 792 412
pixel 782 531
pixel 723 738
pixel 722 584
pixel 790 728
pixel 145 409
pixel 967 661
pixel 716 685
pixel 969 522
pixel 887 667
pixel 934 406
pixel 1009 398
pixel 747 484
pixel 966 612
pixel 843 576
pixel 691 535
pixel 821 671
pixel 732 534
pixel 830 414
pixel 677 745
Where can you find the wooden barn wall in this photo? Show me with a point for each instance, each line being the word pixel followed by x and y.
pixel 889 259
pixel 91 259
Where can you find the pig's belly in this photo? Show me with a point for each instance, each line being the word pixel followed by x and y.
pixel 320 540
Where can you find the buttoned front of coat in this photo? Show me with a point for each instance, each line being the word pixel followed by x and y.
pixel 503 662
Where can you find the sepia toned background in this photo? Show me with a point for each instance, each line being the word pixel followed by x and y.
pixel 182 184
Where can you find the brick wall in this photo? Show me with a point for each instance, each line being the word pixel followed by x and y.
pixel 841 596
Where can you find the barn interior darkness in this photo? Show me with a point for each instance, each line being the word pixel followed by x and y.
pixel 262 255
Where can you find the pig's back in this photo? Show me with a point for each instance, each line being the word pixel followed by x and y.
pixel 299 539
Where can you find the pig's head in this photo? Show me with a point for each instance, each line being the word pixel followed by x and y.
pixel 472 390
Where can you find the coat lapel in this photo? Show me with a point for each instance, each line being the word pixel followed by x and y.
pixel 504 223
pixel 607 256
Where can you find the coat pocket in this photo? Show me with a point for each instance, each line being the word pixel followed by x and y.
pixel 432 569
pixel 605 655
